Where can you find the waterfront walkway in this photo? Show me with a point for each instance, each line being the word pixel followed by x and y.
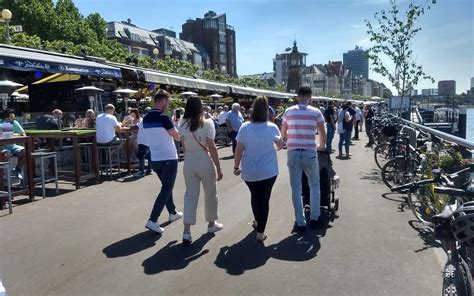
pixel 92 242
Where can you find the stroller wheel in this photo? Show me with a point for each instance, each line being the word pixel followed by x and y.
pixel 336 204
pixel 332 212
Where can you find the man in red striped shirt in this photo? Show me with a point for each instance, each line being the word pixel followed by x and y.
pixel 299 126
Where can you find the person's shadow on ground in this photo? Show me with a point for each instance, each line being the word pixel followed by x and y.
pixel 132 245
pixel 176 256
pixel 244 255
pixel 249 254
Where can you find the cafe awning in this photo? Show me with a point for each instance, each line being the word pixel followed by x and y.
pixel 249 91
pixel 183 81
pixel 26 59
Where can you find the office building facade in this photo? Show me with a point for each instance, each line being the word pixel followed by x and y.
pixel 358 61
pixel 213 33
pixel 446 87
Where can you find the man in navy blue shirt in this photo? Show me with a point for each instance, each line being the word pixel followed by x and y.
pixel 159 133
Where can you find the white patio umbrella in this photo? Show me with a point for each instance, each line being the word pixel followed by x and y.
pixel 90 88
pixel 9 84
pixel 6 87
pixel 188 93
pixel 214 99
pixel 125 92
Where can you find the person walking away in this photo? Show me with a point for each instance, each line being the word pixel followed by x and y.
pixel 344 129
pixel 369 119
pixel 14 149
pixel 201 165
pixel 234 121
pixel 259 161
pixel 222 117
pixel 299 126
pixel 358 118
pixel 159 133
pixel 330 125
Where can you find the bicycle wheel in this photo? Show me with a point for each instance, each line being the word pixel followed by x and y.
pixel 455 280
pixel 381 154
pixel 422 204
pixel 395 171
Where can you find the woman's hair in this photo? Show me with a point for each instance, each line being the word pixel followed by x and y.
pixel 260 109
pixel 193 113
pixel 135 111
pixel 90 112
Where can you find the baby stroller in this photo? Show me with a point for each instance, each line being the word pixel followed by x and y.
pixel 328 182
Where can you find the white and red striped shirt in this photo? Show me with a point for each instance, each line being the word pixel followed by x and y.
pixel 302 121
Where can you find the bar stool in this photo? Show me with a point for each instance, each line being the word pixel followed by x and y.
pixel 42 157
pixel 5 166
pixel 86 156
pixel 109 157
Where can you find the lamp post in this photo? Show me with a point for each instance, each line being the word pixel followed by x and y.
pixel 156 51
pixel 6 17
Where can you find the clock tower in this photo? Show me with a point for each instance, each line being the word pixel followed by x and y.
pixel 296 64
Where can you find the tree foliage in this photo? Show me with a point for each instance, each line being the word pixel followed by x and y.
pixel 59 26
pixel 392 35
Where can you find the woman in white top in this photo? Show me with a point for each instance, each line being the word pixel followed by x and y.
pixel 259 161
pixel 201 165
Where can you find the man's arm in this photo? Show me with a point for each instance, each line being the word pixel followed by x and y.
pixel 174 134
pixel 322 137
pixel 284 130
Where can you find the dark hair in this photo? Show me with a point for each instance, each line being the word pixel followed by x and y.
pixel 135 111
pixel 260 109
pixel 193 113
pixel 7 112
pixel 304 91
pixel 161 95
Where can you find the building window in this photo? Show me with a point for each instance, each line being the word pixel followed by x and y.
pixel 223 58
pixel 223 48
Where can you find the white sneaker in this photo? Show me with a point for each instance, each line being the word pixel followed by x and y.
pixel 174 217
pixel 154 226
pixel 217 226
pixel 187 239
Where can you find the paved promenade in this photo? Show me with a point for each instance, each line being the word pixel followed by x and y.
pixel 93 242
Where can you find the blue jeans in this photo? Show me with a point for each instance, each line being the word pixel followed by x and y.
pixel 330 136
pixel 344 139
pixel 142 153
pixel 300 160
pixel 166 171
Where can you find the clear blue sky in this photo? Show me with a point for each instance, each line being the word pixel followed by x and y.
pixel 324 29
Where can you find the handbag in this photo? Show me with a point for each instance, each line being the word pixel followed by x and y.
pixel 203 147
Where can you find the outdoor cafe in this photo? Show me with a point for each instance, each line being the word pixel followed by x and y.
pixel 34 83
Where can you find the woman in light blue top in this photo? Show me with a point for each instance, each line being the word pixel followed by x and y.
pixel 256 143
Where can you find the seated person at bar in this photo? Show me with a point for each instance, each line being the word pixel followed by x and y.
pixel 107 125
pixel 51 121
pixel 14 149
pixel 89 120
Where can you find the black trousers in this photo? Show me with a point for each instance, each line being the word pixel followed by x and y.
pixel 356 135
pixel 260 192
pixel 305 190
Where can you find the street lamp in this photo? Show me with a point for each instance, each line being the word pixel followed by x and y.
pixel 156 51
pixel 6 17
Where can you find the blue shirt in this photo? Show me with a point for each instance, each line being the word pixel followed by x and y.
pixel 259 161
pixel 235 119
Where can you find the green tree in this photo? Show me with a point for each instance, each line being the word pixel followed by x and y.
pixel 392 35
pixel 97 23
